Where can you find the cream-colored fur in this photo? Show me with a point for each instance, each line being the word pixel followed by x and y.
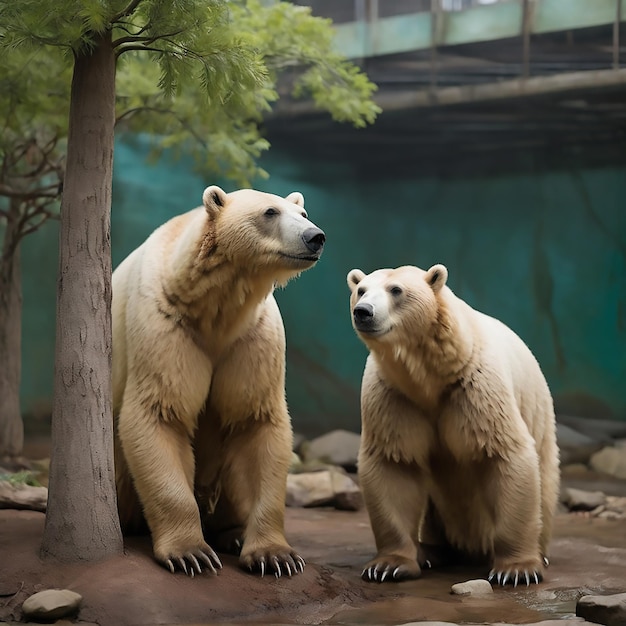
pixel 203 436
pixel 458 455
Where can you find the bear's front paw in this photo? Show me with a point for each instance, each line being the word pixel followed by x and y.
pixel 391 568
pixel 276 559
pixel 190 560
pixel 513 573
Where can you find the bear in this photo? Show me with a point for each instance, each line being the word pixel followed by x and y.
pixel 458 460
pixel 203 437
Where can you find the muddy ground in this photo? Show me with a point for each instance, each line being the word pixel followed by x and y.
pixel 588 557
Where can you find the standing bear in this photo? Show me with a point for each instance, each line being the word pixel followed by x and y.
pixel 458 457
pixel 203 437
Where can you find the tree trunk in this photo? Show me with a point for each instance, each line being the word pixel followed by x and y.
pixel 82 522
pixel 11 425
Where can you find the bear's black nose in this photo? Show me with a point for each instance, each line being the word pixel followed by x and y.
pixel 314 239
pixel 363 312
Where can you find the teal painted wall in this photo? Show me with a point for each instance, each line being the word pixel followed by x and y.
pixel 545 253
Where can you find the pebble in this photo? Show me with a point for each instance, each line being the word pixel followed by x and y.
pixel 51 604
pixel 477 587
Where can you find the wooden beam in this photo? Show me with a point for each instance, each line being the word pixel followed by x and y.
pixel 572 82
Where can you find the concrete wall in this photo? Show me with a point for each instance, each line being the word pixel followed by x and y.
pixel 545 253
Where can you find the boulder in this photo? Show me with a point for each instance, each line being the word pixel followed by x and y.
pixel 325 488
pixel 310 489
pixel 611 461
pixel 51 604
pixel 607 610
pixel 348 496
pixel 338 447
pixel 574 446
pixel 580 500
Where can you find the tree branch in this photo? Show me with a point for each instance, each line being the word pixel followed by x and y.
pixel 141 48
pixel 144 39
pixel 148 109
pixel 129 10
pixel 9 192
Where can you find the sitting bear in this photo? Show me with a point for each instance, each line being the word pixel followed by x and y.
pixel 203 437
pixel 458 457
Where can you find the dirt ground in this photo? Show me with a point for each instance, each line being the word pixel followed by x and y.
pixel 588 557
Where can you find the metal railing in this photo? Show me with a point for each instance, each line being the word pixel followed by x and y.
pixel 342 11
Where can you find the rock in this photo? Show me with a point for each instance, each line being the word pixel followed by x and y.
pixel 296 463
pixel 51 604
pixel 579 500
pixel 478 587
pixel 298 440
pixel 23 497
pixel 597 429
pixel 328 487
pixel 610 461
pixel 338 447
pixel 348 496
pixel 575 447
pixel 607 610
pixel 310 489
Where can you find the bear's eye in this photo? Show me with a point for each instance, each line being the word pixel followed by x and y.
pixel 304 215
pixel 395 290
pixel 271 211
pixel 360 291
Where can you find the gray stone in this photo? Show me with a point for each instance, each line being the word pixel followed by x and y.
pixel 574 446
pixel 611 461
pixel 478 587
pixel 348 496
pixel 51 604
pixel 579 500
pixel 607 610
pixel 324 488
pixel 310 489
pixel 598 429
pixel 338 447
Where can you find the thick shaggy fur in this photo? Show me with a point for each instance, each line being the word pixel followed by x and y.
pixel 458 455
pixel 203 436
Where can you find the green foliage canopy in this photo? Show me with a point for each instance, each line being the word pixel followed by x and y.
pixel 196 76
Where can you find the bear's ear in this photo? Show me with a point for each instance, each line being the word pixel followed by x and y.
pixel 436 277
pixel 296 197
pixel 214 199
pixel 354 278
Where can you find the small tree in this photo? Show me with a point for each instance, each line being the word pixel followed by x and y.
pixel 33 108
pixel 197 51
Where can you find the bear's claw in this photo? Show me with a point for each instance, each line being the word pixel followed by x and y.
pixel 190 564
pixel 390 568
pixel 374 574
pixel 514 576
pixel 288 562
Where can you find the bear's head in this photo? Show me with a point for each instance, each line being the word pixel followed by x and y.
pixel 395 303
pixel 263 231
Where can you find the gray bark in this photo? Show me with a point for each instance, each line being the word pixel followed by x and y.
pixel 11 425
pixel 82 523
